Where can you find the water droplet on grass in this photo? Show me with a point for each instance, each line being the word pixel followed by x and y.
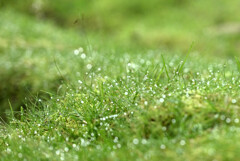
pixel 163 146
pixel 135 141
pixel 182 142
pixel 161 100
pixel 234 101
pixel 89 66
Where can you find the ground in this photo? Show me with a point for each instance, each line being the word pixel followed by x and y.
pixel 138 84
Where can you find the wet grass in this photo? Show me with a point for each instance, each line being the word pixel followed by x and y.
pixel 89 99
pixel 188 111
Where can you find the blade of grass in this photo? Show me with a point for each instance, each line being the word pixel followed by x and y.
pixel 238 63
pixel 160 73
pixel 164 65
pixel 184 61
pixel 10 105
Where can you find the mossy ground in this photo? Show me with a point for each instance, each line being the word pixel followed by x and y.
pixel 85 95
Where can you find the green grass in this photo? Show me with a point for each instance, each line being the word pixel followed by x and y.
pixel 29 53
pixel 72 93
pixel 105 116
pixel 172 25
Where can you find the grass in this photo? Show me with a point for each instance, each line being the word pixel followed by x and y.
pixel 106 115
pixel 172 25
pixel 90 98
pixel 28 55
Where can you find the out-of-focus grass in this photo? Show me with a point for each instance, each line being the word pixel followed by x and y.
pixel 29 52
pixel 174 24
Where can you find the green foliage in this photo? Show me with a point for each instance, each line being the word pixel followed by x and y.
pixel 79 81
pixel 110 113
pixel 157 23
pixel 238 63
pixel 27 56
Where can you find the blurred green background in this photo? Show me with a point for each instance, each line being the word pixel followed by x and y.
pixel 36 33
pixel 172 24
